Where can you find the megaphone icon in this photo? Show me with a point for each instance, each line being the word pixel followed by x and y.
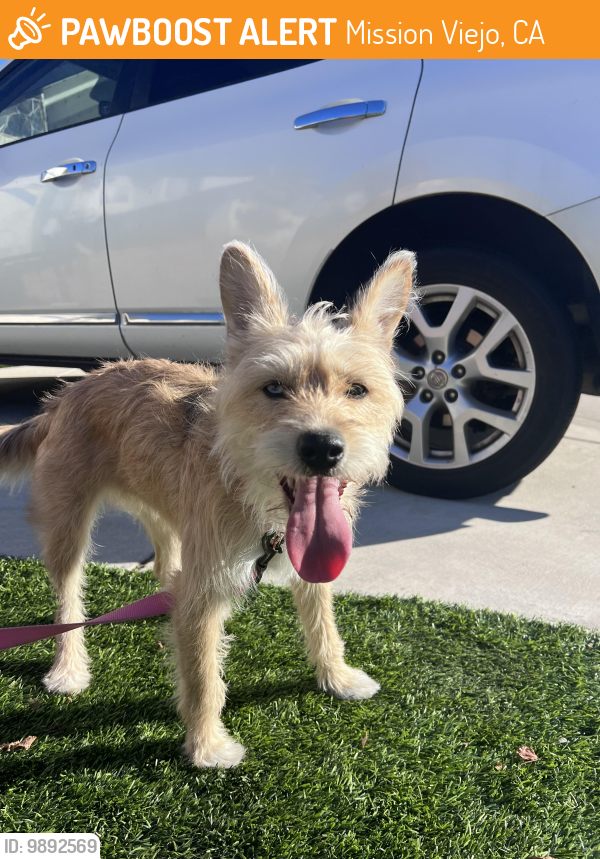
pixel 26 31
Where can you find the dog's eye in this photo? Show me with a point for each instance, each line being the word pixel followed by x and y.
pixel 274 389
pixel 356 391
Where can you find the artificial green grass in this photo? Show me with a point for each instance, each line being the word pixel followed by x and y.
pixel 461 691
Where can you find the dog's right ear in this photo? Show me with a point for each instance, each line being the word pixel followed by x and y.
pixel 250 294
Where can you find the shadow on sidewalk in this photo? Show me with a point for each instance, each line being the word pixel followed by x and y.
pixel 390 515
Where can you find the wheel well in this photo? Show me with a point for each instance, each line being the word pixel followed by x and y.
pixel 485 223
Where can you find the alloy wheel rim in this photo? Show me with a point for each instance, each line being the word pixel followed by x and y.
pixel 467 371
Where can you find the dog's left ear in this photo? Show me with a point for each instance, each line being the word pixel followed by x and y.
pixel 380 305
pixel 249 293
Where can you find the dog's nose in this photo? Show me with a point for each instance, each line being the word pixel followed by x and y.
pixel 321 451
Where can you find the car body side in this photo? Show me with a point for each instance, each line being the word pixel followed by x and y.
pixel 493 153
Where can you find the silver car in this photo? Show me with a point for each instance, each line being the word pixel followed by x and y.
pixel 120 180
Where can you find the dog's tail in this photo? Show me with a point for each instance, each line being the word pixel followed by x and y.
pixel 19 445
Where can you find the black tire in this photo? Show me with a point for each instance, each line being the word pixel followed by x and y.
pixel 550 331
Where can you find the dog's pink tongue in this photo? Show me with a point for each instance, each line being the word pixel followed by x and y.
pixel 318 537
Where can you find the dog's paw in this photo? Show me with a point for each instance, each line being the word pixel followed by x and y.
pixel 58 680
pixel 226 754
pixel 351 684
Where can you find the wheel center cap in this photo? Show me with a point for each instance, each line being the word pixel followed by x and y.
pixel 437 379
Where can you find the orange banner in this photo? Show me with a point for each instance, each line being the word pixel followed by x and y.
pixel 301 28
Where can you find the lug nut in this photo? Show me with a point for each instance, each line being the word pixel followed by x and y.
pixel 458 371
pixel 451 395
pixel 418 372
pixel 438 357
pixel 426 396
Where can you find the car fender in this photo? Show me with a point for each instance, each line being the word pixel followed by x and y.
pixel 523 130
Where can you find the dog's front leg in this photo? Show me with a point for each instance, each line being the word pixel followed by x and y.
pixel 200 641
pixel 325 646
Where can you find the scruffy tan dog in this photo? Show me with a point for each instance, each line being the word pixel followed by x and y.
pixel 282 438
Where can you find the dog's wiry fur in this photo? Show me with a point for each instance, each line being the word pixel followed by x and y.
pixel 197 454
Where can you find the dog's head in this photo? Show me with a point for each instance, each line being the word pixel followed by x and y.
pixel 308 407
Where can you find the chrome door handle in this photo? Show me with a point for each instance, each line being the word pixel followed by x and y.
pixel 71 168
pixel 354 110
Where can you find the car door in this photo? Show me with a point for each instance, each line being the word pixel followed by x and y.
pixel 58 119
pixel 212 154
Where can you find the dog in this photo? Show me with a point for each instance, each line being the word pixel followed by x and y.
pixel 283 437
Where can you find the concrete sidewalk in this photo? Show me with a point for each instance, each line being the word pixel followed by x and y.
pixel 533 549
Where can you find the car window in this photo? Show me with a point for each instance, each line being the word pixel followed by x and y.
pixel 166 80
pixel 39 96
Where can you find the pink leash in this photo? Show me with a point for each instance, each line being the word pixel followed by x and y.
pixel 152 606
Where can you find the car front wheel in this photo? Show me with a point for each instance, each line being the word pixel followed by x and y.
pixel 491 375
